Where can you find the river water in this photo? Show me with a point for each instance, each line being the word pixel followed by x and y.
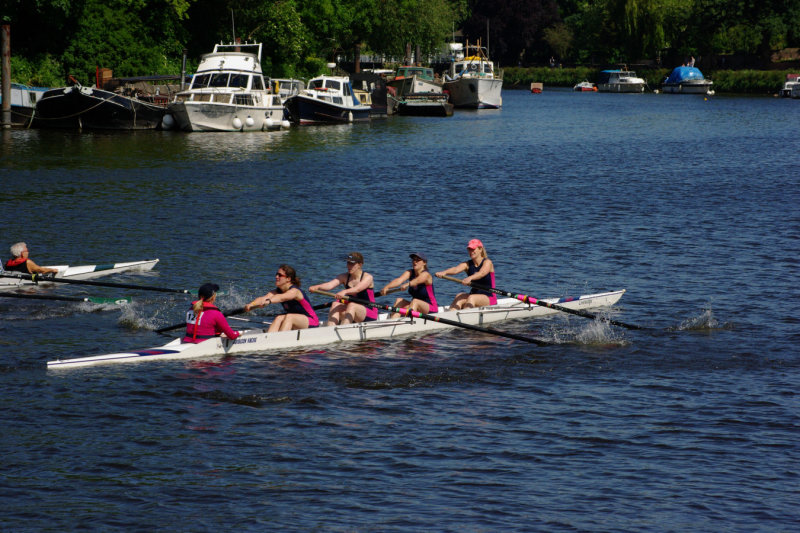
pixel 689 203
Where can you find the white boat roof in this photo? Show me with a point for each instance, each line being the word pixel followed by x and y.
pixel 232 58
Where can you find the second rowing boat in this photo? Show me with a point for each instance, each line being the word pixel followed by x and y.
pixel 10 281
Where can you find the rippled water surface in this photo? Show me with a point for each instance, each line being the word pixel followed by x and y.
pixel 691 424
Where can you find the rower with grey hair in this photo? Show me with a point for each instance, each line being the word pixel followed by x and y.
pixel 21 262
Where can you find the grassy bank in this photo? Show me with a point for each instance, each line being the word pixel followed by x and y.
pixel 725 81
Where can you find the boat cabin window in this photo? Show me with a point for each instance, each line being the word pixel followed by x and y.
pixel 258 83
pixel 243 99
pixel 200 81
pixel 238 80
pixel 333 85
pixel 219 80
pixel 337 99
pixel 316 84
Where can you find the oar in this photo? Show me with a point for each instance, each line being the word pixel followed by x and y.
pixel 118 301
pixel 237 311
pixel 416 314
pixel 532 300
pixel 36 278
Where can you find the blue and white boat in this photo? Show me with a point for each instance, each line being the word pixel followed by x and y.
pixel 687 80
pixel 327 100
pixel 23 103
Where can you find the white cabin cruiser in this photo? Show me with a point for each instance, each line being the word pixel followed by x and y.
pixel 472 81
pixel 228 93
pixel 620 81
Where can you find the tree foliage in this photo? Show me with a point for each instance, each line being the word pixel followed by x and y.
pixel 140 37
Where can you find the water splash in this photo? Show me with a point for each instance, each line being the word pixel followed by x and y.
pixel 705 321
pixel 137 317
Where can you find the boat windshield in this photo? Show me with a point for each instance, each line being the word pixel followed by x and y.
pixel 238 80
pixel 200 81
pixel 258 83
pixel 219 80
pixel 333 85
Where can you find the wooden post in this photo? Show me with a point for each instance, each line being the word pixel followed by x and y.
pixel 6 73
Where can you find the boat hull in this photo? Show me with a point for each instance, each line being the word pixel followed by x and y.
pixel 81 272
pixel 306 110
pixel 210 116
pixel 620 87
pixel 420 106
pixel 259 341
pixel 475 93
pixel 79 107
pixel 688 87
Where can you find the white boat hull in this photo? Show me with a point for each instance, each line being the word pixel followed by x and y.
pixel 621 87
pixel 475 93
pixel 257 340
pixel 210 116
pixel 81 272
pixel 689 87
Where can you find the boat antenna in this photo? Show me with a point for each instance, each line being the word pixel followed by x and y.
pixel 233 26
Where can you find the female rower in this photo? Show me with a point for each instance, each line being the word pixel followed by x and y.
pixel 357 284
pixel 420 287
pixel 480 273
pixel 298 312
pixel 204 321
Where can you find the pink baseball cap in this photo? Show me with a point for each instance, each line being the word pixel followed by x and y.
pixel 474 243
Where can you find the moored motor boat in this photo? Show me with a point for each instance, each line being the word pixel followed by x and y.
pixel 327 100
pixel 687 80
pixel 258 340
pixel 79 107
pixel 10 280
pixel 620 81
pixel 228 93
pixel 585 86
pixel 472 81
pixel 792 80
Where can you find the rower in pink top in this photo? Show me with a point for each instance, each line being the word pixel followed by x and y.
pixel 480 272
pixel 299 314
pixel 419 285
pixel 358 284
pixel 204 321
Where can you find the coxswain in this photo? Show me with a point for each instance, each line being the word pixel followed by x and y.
pixel 203 320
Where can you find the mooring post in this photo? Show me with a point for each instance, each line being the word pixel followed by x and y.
pixel 6 73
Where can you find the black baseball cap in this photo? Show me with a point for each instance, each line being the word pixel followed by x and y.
pixel 207 290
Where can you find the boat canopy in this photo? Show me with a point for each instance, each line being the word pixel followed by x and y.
pixel 682 74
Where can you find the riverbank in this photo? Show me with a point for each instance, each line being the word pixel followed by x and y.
pixel 764 82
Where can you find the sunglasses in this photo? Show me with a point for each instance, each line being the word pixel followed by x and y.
pixel 280 275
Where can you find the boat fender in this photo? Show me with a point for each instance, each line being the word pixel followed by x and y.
pixel 249 121
pixel 285 124
pixel 269 123
pixel 349 116
pixel 167 122
pixel 237 123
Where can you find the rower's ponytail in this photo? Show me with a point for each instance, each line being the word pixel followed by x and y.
pixel 197 307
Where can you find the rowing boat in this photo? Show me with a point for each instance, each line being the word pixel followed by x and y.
pixel 8 282
pixel 258 340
